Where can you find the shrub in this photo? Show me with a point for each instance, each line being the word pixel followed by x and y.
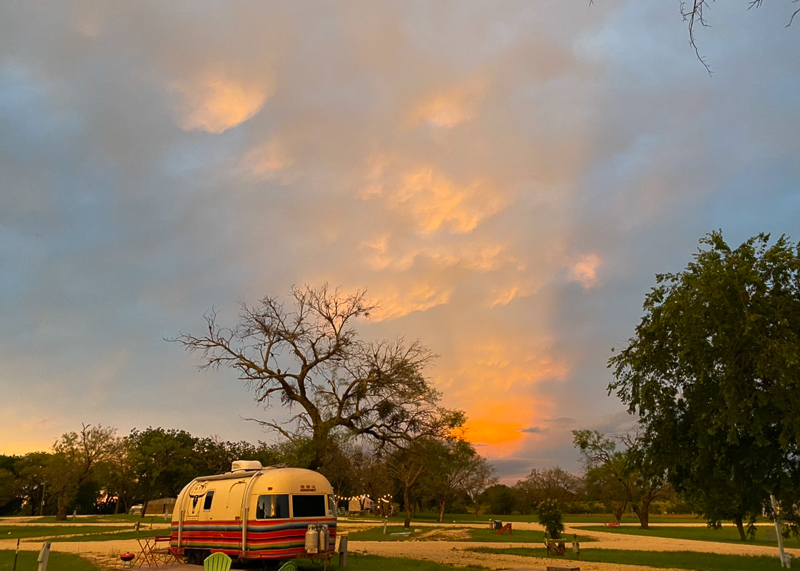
pixel 550 517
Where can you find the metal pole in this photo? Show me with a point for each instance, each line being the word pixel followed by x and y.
pixel 15 556
pixel 245 515
pixel 180 527
pixel 778 525
pixel 342 551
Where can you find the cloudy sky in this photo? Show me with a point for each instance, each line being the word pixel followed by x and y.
pixel 504 177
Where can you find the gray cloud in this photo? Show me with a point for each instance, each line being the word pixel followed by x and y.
pixel 505 179
pixel 532 430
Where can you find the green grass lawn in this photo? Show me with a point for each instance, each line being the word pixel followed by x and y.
pixel 689 560
pixel 629 518
pixel 56 562
pixel 81 519
pixel 76 532
pixel 726 534
pixel 358 562
pixel 25 531
pixel 355 562
pixel 376 533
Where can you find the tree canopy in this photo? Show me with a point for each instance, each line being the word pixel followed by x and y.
pixel 310 357
pixel 713 371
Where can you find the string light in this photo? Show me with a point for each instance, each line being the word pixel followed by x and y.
pixel 385 498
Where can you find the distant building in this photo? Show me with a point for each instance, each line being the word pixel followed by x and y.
pixel 360 504
pixel 162 506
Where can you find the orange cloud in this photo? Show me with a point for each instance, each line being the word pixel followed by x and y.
pixel 505 294
pixel 435 202
pixel 397 302
pixel 216 102
pixel 266 161
pixel 584 270
pixel 430 199
pixel 378 256
pixel 450 107
pixel 382 253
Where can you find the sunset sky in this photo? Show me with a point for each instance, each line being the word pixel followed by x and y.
pixel 504 177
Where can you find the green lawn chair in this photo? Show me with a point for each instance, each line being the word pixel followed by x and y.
pixel 217 562
pixel 288 566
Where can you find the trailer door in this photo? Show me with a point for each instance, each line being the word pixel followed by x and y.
pixel 234 507
pixel 195 503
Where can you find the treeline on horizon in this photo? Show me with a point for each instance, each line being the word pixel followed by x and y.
pixel 94 471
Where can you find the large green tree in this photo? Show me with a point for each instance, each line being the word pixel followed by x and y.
pixel 713 371
pixel 309 357
pixel 75 457
pixel 163 461
pixel 455 465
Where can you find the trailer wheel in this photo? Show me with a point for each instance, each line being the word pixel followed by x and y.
pixel 194 556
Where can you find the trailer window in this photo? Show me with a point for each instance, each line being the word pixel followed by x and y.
pixel 331 506
pixel 273 506
pixel 308 506
pixel 208 500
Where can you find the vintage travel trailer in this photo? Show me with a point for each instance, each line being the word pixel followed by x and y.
pixel 255 513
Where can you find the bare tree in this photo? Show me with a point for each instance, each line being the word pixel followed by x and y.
pixel 310 357
pixel 693 12
pixel 549 483
pixel 641 482
pixel 481 478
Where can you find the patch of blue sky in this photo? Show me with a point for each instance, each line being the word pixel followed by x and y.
pixel 202 153
pixel 762 198
pixel 32 126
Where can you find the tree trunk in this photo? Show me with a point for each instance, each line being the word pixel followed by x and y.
pixel 643 513
pixel 441 512
pixel 407 501
pixel 144 508
pixel 740 527
pixel 61 514
pixel 618 509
